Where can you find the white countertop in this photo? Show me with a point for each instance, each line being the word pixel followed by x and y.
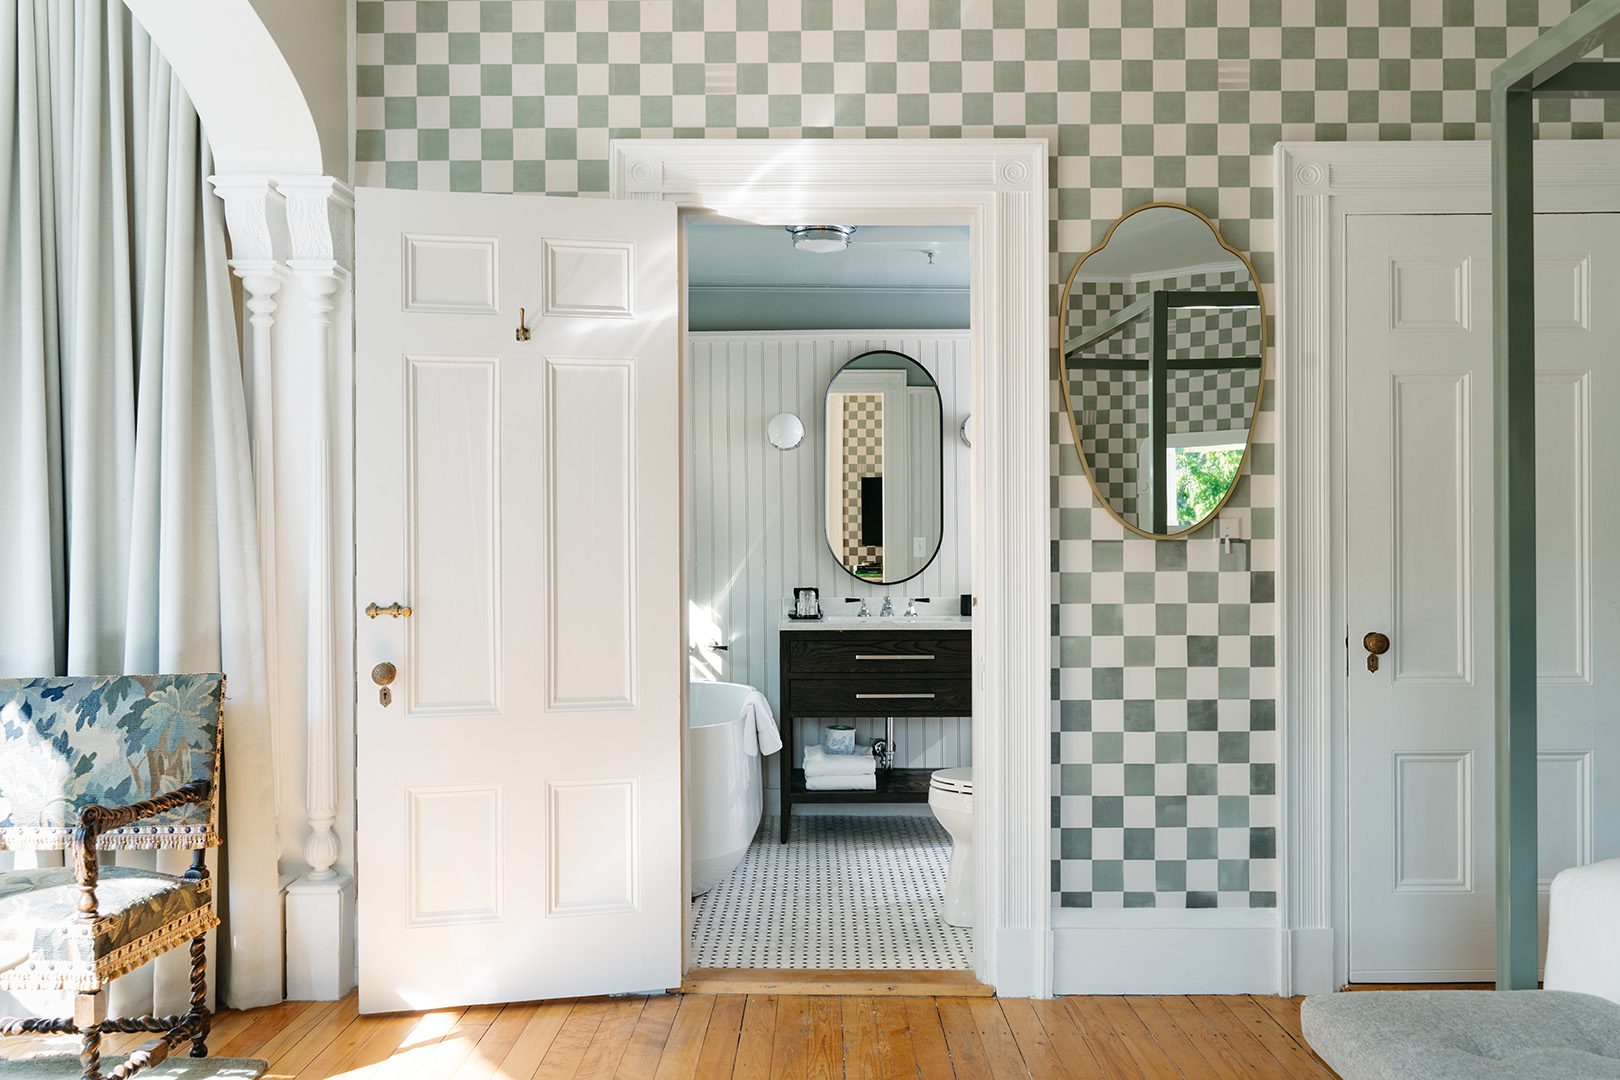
pixel 880 622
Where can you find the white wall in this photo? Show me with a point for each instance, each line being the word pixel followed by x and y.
pixel 756 528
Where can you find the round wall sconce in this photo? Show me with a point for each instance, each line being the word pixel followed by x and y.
pixel 967 431
pixel 785 431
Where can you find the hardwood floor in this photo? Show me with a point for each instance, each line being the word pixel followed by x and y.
pixel 766 1037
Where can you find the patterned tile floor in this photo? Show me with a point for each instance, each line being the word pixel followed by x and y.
pixel 843 892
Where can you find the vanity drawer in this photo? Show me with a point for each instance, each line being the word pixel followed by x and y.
pixel 879 653
pixel 883 695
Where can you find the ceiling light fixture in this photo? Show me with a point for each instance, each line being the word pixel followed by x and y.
pixel 821 239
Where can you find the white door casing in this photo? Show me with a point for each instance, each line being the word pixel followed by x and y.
pixel 1321 187
pixel 519 799
pixel 999 188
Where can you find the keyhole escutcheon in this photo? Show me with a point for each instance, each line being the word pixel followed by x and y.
pixel 1376 645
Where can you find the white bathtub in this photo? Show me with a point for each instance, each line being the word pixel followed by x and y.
pixel 724 791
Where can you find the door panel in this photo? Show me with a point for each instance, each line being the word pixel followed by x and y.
pixel 518 492
pixel 1419 550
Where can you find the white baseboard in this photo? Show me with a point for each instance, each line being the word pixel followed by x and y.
pixel 1022 963
pixel 320 939
pixel 1164 951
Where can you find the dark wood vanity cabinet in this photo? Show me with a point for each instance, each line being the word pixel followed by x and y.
pixel 891 670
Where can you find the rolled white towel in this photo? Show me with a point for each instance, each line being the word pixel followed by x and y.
pixel 817 762
pixel 841 783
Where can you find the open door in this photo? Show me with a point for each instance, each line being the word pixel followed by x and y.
pixel 517 488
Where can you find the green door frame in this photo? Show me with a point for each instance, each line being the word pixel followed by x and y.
pixel 1546 68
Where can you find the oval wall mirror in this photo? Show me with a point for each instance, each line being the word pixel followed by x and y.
pixel 1163 360
pixel 883 487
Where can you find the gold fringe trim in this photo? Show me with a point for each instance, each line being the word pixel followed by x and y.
pixel 83 977
pixel 131 838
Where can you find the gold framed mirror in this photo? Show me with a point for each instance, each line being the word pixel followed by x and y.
pixel 1162 363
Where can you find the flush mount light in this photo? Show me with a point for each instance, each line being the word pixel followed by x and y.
pixel 820 239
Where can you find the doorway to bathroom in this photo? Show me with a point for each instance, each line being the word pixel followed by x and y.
pixel 827 401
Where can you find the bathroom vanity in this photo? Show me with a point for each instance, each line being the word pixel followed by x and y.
pixel 875 667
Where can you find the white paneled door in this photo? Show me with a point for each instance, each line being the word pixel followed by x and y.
pixel 518 490
pixel 1419 483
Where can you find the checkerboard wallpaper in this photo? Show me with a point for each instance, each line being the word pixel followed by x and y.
pixel 1163 681
pixel 863 456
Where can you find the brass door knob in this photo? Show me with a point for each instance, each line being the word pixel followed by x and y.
pixel 1376 645
pixel 383 673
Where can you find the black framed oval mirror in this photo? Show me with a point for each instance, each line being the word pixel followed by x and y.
pixel 882 486
pixel 1163 332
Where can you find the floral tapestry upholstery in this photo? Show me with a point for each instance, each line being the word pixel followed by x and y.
pixel 107 741
pixel 140 913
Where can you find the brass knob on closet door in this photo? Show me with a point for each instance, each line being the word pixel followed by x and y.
pixel 382 675
pixel 1376 645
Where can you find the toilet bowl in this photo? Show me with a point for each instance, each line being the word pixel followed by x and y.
pixel 950 796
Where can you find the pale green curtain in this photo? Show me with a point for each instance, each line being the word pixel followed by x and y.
pixel 127 540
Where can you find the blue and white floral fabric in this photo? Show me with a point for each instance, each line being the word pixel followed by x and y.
pixel 107 741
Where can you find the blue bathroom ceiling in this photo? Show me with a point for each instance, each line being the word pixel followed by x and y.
pixel 750 277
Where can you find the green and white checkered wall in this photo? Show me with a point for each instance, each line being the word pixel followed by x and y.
pixel 1164 679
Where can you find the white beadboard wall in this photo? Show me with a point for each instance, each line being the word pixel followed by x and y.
pixel 756 528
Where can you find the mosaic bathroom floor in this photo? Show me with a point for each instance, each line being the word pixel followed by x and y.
pixel 843 892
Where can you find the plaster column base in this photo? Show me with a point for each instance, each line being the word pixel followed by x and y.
pixel 320 939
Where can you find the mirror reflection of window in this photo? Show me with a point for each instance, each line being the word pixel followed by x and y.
pixel 1163 337
pixel 884 497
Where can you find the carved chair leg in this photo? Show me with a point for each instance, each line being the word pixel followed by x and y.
pixel 90 1052
pixel 199 1016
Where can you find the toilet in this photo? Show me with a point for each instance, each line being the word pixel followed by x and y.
pixel 950 796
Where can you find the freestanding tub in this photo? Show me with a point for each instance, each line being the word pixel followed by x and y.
pixel 724 791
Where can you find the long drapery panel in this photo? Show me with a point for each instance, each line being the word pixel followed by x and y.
pixel 127 537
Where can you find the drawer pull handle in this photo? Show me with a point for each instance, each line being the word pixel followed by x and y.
pixel 887 656
pixel 862 697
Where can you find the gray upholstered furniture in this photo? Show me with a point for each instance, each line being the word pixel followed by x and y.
pixel 1465 1035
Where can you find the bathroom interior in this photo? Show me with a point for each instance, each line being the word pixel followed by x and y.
pixel 829 413
pixel 836 352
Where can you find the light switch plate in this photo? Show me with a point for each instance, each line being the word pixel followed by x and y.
pixel 1233 523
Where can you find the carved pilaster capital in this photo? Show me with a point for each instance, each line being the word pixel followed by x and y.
pixel 320 219
pixel 262 278
pixel 253 213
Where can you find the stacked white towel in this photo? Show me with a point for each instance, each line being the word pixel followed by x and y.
pixel 839 772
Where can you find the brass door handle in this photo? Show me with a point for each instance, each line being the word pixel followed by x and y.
pixel 397 610
pixel 1376 645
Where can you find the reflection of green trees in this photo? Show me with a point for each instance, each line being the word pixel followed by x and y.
pixel 1202 480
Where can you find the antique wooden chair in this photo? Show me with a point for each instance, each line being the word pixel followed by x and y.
pixel 89 764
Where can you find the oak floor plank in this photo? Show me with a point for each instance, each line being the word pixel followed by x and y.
pixel 790 1053
pixel 928 1044
pixel 647 1042
pixel 567 1050
pixel 271 1022
pixel 1223 1059
pixel 825 1045
pixel 334 1059
pixel 449 1054
pixel 1246 1042
pixel 1075 1055
pixel 612 1039
pixel 860 1039
pixel 1175 1043
pixel 1148 1054
pixel 1107 1047
pixel 1285 1011
pixel 896 1059
pixel 996 1036
pixel 680 1057
pixel 418 1044
pixel 1295 1058
pixel 382 1040
pixel 962 1036
pixel 719 1051
pixel 293 1055
pixel 1034 1044
pixel 756 1039
pixel 523 1060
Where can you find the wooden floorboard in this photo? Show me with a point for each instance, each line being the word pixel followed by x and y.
pixel 769 1036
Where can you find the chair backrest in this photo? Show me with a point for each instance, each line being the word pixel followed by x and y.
pixel 109 741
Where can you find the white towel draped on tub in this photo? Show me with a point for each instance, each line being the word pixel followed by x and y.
pixel 817 762
pixel 758 711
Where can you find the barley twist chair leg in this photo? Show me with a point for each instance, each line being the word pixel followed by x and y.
pixel 199 1016
pixel 90 1052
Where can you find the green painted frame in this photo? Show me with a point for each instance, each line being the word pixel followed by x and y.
pixel 1546 68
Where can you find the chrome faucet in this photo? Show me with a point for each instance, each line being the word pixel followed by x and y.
pixel 911 606
pixel 888 607
pixel 863 613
